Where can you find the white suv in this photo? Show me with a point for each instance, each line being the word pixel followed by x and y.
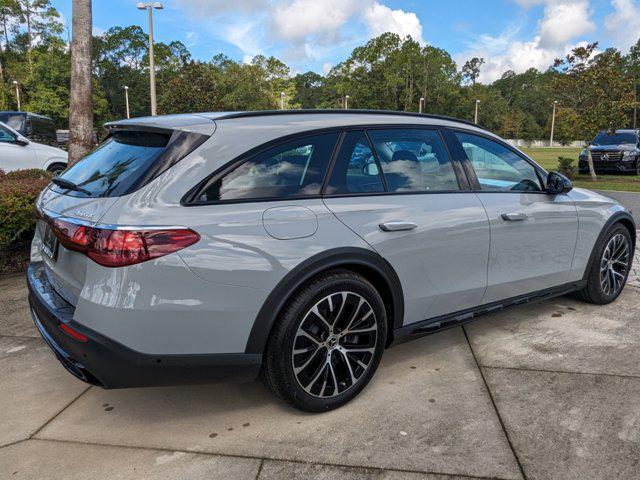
pixel 18 153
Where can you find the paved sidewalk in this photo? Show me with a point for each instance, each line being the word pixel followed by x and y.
pixel 544 391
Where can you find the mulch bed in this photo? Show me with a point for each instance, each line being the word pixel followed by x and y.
pixel 15 259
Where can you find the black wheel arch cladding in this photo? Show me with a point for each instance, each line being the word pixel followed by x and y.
pixel 360 260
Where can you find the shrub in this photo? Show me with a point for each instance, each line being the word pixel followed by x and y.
pixel 567 167
pixel 18 193
pixel 28 174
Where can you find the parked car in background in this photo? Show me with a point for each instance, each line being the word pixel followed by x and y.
pixel 300 245
pixel 37 128
pixel 18 153
pixel 613 151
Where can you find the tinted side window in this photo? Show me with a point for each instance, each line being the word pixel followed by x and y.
pixel 115 167
pixel 356 169
pixel 42 131
pixel 6 136
pixel 414 160
pixel 497 167
pixel 294 169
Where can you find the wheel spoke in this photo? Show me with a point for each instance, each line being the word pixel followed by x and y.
pixel 297 370
pixel 308 336
pixel 346 361
pixel 317 313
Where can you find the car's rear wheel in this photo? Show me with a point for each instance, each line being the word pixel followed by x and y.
pixel 610 268
pixel 327 343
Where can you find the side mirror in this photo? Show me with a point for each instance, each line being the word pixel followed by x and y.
pixel 22 141
pixel 558 183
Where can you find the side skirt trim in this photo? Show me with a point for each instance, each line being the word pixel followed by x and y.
pixel 437 324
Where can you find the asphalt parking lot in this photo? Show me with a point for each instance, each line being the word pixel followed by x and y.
pixel 550 390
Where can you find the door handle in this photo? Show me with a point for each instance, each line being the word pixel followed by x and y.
pixel 514 217
pixel 397 226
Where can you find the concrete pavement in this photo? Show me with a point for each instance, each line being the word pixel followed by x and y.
pixel 549 390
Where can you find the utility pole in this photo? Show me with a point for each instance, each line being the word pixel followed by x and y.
pixel 553 122
pixel 15 84
pixel 126 100
pixel 421 105
pixel 476 116
pixel 281 100
pixel 346 102
pixel 152 68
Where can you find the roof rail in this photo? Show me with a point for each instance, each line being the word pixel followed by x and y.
pixel 260 113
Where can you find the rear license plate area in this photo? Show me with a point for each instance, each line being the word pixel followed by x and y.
pixel 50 243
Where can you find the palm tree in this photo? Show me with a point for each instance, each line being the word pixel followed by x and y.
pixel 81 101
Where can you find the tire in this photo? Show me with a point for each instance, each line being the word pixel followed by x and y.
pixel 327 369
pixel 604 287
pixel 56 168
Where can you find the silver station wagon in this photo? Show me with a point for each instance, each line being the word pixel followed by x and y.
pixel 298 245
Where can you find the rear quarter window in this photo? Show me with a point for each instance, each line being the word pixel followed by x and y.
pixel 128 160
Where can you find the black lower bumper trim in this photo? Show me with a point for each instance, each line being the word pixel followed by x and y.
pixel 107 363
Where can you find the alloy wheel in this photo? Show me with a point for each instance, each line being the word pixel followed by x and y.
pixel 335 344
pixel 615 264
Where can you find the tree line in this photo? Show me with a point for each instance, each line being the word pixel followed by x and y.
pixel 594 89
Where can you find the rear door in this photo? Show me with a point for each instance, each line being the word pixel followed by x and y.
pixel 533 234
pixel 400 191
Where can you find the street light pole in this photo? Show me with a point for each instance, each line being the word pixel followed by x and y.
pixel 346 102
pixel 476 116
pixel 421 105
pixel 126 100
pixel 152 69
pixel 15 84
pixel 281 100
pixel 553 122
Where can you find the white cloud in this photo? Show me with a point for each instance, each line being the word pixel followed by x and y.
pixel 623 25
pixel 304 18
pixel 561 26
pixel 326 67
pixel 380 19
pixel 564 20
pixel 301 29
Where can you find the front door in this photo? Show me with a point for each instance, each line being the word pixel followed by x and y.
pixel 398 189
pixel 533 234
pixel 12 155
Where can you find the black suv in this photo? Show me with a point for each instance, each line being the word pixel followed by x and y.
pixel 614 151
pixel 37 128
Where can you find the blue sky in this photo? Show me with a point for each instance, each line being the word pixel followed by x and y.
pixel 316 34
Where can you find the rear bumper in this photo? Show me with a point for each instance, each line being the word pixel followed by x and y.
pixel 109 364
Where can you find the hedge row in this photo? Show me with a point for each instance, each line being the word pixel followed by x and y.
pixel 18 193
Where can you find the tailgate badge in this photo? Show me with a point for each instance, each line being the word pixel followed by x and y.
pixel 83 214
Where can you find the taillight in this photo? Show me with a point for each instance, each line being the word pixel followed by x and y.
pixel 119 248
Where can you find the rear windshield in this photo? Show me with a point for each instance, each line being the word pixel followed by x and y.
pixel 615 138
pixel 117 166
pixel 14 120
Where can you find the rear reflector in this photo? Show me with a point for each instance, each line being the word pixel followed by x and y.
pixel 120 248
pixel 72 333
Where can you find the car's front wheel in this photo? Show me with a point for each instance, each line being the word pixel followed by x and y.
pixel 327 343
pixel 610 268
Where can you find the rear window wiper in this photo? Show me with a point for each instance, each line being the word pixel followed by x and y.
pixel 61 182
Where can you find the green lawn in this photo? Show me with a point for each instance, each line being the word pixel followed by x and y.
pixel 548 158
